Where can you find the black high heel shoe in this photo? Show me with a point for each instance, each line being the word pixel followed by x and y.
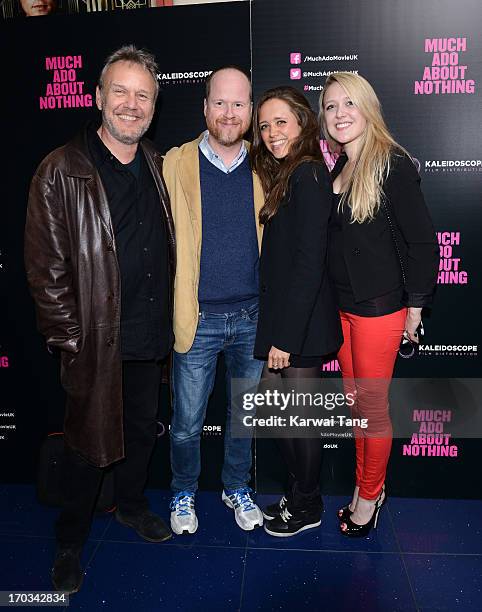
pixel 344 513
pixel 360 531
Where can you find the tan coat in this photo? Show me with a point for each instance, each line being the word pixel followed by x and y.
pixel 181 174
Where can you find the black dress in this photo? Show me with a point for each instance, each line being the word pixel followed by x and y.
pixel 297 311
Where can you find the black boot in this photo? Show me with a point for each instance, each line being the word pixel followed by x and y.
pixel 302 511
pixel 67 574
pixel 274 510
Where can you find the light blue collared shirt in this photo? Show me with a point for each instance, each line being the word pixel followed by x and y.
pixel 208 152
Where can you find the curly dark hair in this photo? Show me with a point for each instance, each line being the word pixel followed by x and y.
pixel 274 174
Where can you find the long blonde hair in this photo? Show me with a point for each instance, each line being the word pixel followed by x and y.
pixel 364 189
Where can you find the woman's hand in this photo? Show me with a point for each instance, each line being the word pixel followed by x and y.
pixel 414 316
pixel 278 359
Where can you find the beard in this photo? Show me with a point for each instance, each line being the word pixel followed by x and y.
pixel 226 135
pixel 128 138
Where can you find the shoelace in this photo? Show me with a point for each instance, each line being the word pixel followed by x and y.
pixel 285 514
pixel 282 502
pixel 242 498
pixel 183 503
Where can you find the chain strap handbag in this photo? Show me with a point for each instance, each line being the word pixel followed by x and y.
pixel 408 348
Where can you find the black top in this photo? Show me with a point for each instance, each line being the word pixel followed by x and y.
pixel 369 252
pixel 374 307
pixel 297 310
pixel 141 248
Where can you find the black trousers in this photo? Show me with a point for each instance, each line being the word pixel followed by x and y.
pixel 81 480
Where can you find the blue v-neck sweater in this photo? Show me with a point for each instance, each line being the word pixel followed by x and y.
pixel 229 252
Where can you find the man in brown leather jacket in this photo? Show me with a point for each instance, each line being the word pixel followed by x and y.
pixel 100 260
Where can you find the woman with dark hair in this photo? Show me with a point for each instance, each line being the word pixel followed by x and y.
pixel 383 259
pixel 298 320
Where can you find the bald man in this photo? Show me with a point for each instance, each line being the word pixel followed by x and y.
pixel 215 201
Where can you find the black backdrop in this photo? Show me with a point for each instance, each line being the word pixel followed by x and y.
pixel 181 39
pixel 285 42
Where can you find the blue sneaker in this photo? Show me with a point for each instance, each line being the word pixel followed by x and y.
pixel 246 513
pixel 183 514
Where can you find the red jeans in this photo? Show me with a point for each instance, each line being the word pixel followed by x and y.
pixel 369 351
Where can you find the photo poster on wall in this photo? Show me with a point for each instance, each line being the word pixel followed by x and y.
pixel 52 70
pixel 424 60
pixel 22 9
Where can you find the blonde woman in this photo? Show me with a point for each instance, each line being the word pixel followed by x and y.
pixel 383 261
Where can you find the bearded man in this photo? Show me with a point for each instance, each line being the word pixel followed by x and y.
pixel 216 201
pixel 100 259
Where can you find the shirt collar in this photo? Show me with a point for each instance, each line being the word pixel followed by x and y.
pixel 209 153
pixel 100 153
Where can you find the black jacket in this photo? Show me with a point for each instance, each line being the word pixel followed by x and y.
pixel 297 310
pixel 369 248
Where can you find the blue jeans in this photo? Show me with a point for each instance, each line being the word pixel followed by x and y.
pixel 193 375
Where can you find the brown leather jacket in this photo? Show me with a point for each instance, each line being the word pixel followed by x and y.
pixel 73 274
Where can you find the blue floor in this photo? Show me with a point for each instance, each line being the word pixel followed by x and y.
pixel 425 555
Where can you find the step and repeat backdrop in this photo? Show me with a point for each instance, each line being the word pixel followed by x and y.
pixel 52 70
pixel 425 62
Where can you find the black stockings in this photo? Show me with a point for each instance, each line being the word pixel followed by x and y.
pixel 302 455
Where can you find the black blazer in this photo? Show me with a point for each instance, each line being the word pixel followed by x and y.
pixel 297 310
pixel 369 249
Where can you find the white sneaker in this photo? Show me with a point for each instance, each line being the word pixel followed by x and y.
pixel 247 514
pixel 183 514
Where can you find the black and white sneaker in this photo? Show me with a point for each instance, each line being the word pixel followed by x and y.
pixel 274 510
pixel 301 512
